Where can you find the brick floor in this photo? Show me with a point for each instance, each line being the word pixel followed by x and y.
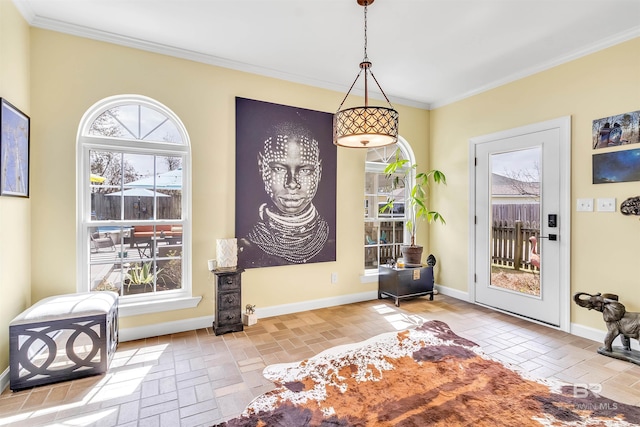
pixel 196 378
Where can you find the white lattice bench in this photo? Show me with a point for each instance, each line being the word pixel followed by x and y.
pixel 63 337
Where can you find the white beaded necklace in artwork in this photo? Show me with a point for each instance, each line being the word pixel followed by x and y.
pixel 293 238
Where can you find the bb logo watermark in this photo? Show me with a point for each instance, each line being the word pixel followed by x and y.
pixel 583 391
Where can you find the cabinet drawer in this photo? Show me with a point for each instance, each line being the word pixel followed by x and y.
pixel 229 282
pixel 228 317
pixel 229 300
pixel 408 287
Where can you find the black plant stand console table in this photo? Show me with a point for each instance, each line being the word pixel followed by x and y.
pixel 406 282
pixel 227 297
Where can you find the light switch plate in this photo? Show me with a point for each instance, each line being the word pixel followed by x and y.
pixel 607 205
pixel 584 205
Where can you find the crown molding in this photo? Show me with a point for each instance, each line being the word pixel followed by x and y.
pixel 587 50
pixel 85 32
pixel 105 36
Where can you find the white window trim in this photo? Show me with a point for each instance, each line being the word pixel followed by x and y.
pixel 133 305
pixel 370 275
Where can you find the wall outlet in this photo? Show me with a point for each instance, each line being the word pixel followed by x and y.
pixel 607 205
pixel 584 205
pixel 334 278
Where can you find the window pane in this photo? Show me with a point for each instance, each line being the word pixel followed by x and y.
pixel 136 259
pixel 384 226
pixel 107 125
pixel 371 257
pixel 166 132
pixel 170 265
pixel 137 122
pixel 134 186
pixel 169 182
pixel 371 230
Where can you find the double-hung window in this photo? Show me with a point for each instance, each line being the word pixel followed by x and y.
pixel 384 229
pixel 133 194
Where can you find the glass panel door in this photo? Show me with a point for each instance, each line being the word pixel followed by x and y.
pixel 515 220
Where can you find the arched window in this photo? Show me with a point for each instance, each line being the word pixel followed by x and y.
pixel 133 201
pixel 384 230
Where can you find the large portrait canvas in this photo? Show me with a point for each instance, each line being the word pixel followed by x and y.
pixel 285 185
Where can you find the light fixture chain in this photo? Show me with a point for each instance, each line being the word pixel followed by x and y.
pixel 380 87
pixel 365 126
pixel 366 3
pixel 349 91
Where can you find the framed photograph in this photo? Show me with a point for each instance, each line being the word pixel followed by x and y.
pixel 614 131
pixel 14 151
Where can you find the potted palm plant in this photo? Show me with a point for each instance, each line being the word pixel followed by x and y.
pixel 400 173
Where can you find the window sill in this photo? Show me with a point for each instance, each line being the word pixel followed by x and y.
pixel 369 276
pixel 135 308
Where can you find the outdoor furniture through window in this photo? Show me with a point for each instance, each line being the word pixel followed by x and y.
pixel 98 242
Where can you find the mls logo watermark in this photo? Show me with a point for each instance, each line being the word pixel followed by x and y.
pixel 584 391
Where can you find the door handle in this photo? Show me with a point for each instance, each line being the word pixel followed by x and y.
pixel 550 237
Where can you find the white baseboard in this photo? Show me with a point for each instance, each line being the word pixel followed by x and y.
pixel 297 307
pixel 598 335
pixel 454 293
pixel 148 331
pixel 578 330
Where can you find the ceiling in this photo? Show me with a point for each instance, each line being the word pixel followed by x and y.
pixel 425 53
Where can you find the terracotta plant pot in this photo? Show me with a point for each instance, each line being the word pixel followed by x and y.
pixel 412 254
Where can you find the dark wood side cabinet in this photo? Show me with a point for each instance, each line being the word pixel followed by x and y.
pixel 407 282
pixel 227 297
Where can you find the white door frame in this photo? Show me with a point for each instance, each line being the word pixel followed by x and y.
pixel 564 223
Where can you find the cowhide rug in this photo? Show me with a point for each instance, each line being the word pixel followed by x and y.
pixel 426 376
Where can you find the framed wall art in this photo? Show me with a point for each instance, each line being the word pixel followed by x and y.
pixel 285 185
pixel 617 166
pixel 14 151
pixel 614 131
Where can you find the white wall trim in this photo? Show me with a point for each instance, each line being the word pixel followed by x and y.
pixel 158 329
pixel 140 332
pixel 598 335
pixel 563 125
pixel 297 307
pixel 454 293
pixel 369 278
pixel 538 68
pixel 176 52
pixel 147 306
pixel 105 36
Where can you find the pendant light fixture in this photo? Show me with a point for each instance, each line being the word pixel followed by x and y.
pixel 366 126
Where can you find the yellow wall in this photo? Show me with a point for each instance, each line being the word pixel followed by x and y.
pixel 69 74
pixel 15 245
pixel 604 246
pixel 55 78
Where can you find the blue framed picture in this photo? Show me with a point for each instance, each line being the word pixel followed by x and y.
pixel 617 166
pixel 14 151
